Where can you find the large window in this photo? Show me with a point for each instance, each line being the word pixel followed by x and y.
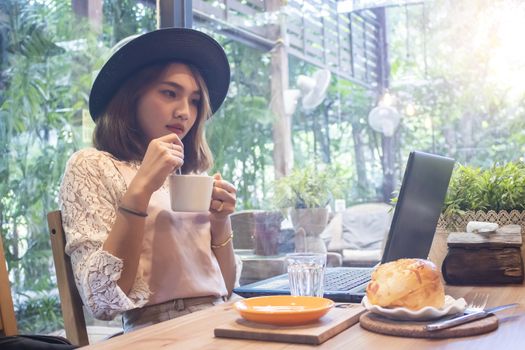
pixel 445 77
pixel 450 73
pixel 50 50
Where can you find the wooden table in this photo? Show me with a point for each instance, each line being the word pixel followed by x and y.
pixel 195 331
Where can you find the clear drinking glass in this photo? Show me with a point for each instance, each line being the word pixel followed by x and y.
pixel 306 273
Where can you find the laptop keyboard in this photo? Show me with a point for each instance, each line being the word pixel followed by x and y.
pixel 345 279
pixel 335 280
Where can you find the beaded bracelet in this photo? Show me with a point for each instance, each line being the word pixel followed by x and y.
pixel 132 212
pixel 223 243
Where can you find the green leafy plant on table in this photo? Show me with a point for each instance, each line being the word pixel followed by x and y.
pixel 498 188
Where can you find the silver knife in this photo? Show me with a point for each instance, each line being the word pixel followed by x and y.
pixel 466 318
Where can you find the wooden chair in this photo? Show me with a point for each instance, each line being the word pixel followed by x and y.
pixel 7 311
pixel 70 301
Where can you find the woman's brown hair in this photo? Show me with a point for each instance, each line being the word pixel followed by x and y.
pixel 118 132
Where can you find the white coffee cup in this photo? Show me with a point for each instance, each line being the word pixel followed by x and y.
pixel 190 192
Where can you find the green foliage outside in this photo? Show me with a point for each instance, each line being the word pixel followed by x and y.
pixel 459 78
pixel 240 134
pixel 47 62
pixel 337 133
pixel 42 89
pixel 458 64
pixel 40 314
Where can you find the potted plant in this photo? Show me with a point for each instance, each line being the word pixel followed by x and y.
pixel 306 192
pixel 496 194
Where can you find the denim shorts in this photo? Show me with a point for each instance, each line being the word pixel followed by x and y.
pixel 151 314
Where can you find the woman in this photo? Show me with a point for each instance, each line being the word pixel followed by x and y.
pixel 130 253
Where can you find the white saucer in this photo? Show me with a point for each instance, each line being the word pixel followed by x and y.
pixel 452 306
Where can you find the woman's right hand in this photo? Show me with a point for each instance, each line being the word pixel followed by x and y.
pixel 163 156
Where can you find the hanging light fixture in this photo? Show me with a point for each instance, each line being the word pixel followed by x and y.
pixel 384 118
pixel 410 110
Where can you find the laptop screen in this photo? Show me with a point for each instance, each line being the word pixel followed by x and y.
pixel 419 204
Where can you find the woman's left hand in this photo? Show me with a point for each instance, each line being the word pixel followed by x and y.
pixel 223 198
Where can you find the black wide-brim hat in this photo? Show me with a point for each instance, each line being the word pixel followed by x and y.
pixel 163 45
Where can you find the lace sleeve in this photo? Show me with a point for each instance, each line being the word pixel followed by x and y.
pixel 90 192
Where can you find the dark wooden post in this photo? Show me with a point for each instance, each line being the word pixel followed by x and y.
pixel 92 9
pixel 387 143
pixel 282 126
pixel 175 13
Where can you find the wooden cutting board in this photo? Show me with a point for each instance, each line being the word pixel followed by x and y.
pixel 379 324
pixel 335 321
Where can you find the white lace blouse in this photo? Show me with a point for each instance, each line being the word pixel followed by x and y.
pixel 176 260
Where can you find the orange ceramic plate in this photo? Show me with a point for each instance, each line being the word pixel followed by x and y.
pixel 283 309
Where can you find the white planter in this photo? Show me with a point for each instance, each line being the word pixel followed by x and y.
pixel 308 225
pixel 312 220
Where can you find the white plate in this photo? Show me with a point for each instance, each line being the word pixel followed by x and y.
pixel 452 306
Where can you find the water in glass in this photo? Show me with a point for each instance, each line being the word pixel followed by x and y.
pixel 306 273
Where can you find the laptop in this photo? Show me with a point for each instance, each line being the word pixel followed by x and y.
pixel 414 222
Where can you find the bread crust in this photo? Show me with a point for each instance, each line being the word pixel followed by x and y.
pixel 410 283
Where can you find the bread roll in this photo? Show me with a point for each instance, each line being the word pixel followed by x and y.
pixel 410 283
